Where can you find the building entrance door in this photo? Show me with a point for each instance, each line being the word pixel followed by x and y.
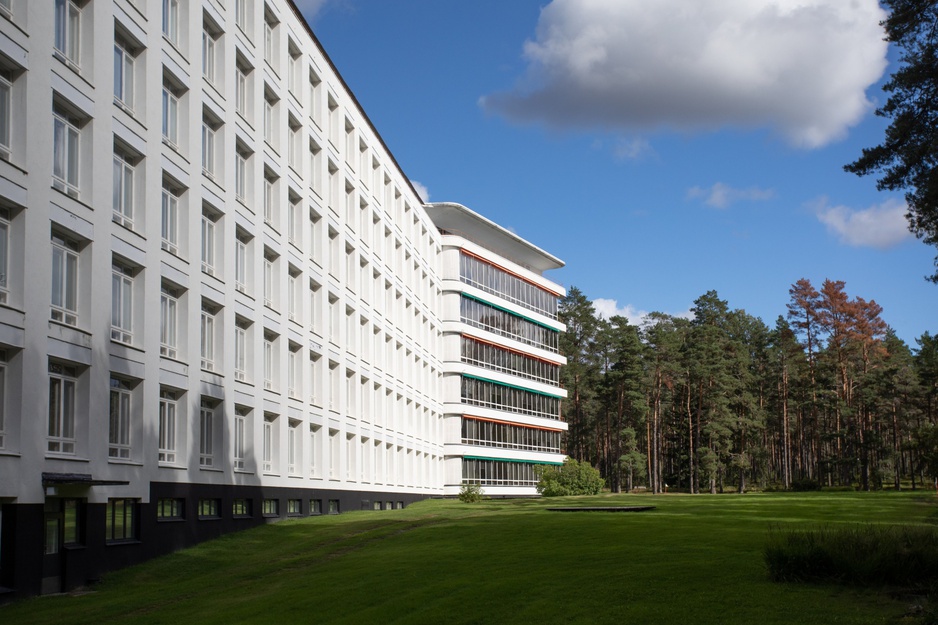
pixel 53 554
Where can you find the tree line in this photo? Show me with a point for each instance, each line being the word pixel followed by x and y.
pixel 829 396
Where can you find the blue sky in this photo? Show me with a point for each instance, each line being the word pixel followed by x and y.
pixel 660 149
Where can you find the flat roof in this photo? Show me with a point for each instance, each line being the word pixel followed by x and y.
pixel 453 218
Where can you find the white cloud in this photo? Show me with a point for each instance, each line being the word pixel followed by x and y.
pixel 310 8
pixel 800 67
pixel 421 190
pixel 608 308
pixel 631 149
pixel 722 195
pixel 880 226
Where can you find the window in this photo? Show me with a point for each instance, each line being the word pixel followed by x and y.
pixel 121 522
pixel 293 144
pixel 209 60
pixel 6 114
pixel 63 382
pixel 271 507
pixel 209 218
pixel 123 75
pixel 123 188
pixel 208 147
pixel 122 286
pixel 167 433
pixel 241 175
pixel 64 280
pixel 169 222
pixel 242 12
pixel 207 434
pixel 269 359
pixel 294 507
pixel 241 508
pixel 65 144
pixel 270 39
pixel 67 30
pixel 293 70
pixel 315 506
pixel 270 443
pixel 315 167
pixel 208 508
pixel 241 264
pixel 119 420
pixel 170 508
pixel 240 349
pixel 169 304
pixel 270 198
pixel 294 212
pixel 270 276
pixel 315 98
pixel 242 88
pixel 240 437
pixel 293 371
pixel 333 506
pixel 313 451
pixel 270 119
pixel 3 388
pixel 170 119
pixel 293 297
pixel 207 343
pixel 171 21
pixel 293 449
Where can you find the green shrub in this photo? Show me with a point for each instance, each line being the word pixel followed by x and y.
pixel 470 493
pixel 572 478
pixel 860 555
pixel 806 484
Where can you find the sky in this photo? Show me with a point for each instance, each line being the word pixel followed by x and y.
pixel 661 149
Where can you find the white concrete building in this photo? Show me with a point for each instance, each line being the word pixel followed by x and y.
pixel 220 296
pixel 501 362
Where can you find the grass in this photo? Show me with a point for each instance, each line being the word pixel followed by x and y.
pixel 694 559
pixel 897 556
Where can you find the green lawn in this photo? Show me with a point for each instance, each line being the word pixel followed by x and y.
pixel 692 560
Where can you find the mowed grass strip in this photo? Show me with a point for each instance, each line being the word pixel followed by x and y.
pixel 694 559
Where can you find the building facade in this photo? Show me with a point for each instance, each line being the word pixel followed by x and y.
pixel 221 299
pixel 501 361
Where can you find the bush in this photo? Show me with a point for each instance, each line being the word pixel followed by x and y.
pixel 860 555
pixel 573 478
pixel 806 484
pixel 470 493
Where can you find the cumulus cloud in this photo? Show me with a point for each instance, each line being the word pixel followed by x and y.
pixel 608 308
pixel 421 190
pixel 881 226
pixel 722 195
pixel 800 67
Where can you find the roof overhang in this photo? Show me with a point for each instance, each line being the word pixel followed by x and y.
pixel 456 219
pixel 78 479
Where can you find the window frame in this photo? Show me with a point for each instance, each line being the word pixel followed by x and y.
pixel 168 427
pixel 66 261
pixel 67 34
pixel 123 191
pixel 169 220
pixel 120 429
pixel 124 59
pixel 122 295
pixel 169 322
pixel 66 152
pixel 60 438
